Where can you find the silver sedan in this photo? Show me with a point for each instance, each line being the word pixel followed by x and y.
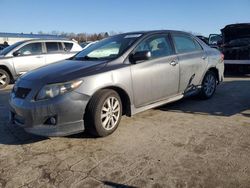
pixel 121 75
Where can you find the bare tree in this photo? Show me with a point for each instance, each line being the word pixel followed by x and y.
pixel 80 37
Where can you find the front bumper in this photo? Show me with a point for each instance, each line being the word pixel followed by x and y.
pixel 68 110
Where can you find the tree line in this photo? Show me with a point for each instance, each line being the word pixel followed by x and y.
pixel 81 37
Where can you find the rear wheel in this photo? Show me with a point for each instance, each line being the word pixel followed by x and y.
pixel 4 79
pixel 103 113
pixel 208 85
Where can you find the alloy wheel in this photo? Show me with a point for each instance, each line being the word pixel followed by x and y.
pixel 209 84
pixel 3 79
pixel 110 113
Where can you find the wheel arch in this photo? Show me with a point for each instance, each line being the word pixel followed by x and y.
pixel 125 99
pixel 216 72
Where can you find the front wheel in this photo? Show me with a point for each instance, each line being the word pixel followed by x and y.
pixel 4 79
pixel 209 84
pixel 103 113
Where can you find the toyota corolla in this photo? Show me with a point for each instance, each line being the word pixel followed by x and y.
pixel 120 75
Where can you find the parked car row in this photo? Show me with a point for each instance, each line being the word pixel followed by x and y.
pixel 25 56
pixel 120 75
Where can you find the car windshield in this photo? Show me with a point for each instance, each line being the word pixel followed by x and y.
pixel 5 51
pixel 108 49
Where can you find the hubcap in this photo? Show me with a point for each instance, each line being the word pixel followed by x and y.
pixel 3 79
pixel 209 84
pixel 110 113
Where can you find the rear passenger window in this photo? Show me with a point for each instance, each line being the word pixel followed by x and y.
pixel 53 47
pixel 68 46
pixel 185 44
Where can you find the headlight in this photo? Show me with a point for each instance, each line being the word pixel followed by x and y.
pixel 53 90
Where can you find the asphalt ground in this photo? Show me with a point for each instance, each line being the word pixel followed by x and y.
pixel 189 143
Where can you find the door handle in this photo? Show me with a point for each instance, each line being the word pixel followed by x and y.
pixel 204 57
pixel 173 63
pixel 39 56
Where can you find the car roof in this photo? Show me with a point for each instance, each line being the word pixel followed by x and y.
pixel 155 31
pixel 48 40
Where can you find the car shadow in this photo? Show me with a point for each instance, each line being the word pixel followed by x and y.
pixel 14 135
pixel 116 185
pixel 231 97
pixel 82 135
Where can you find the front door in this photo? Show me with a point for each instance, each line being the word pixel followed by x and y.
pixel 28 57
pixel 157 78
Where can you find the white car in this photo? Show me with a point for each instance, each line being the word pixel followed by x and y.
pixel 87 44
pixel 25 56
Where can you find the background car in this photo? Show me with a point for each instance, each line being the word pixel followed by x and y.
pixel 25 56
pixel 204 39
pixel 234 43
pixel 123 74
pixel 87 44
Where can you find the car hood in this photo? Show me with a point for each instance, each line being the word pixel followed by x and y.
pixel 235 31
pixel 63 71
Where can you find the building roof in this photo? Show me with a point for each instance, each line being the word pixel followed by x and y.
pixel 40 36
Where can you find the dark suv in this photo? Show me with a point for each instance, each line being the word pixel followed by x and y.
pixel 234 43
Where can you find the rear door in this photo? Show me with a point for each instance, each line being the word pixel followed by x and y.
pixel 158 78
pixel 54 52
pixel 29 57
pixel 192 60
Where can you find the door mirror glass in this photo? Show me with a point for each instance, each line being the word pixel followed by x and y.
pixel 140 56
pixel 16 53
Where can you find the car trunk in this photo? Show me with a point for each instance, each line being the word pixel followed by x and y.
pixel 236 42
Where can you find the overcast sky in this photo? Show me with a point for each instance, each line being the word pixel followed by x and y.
pixel 199 16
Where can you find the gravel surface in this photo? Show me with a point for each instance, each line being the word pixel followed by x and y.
pixel 189 143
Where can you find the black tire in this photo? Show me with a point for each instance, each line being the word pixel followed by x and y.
pixel 92 119
pixel 208 90
pixel 4 79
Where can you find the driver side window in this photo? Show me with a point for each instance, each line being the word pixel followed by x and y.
pixel 159 46
pixel 31 49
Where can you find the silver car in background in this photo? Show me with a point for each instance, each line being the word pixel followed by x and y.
pixel 120 75
pixel 25 56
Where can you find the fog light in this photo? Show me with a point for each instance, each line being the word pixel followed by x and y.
pixel 51 121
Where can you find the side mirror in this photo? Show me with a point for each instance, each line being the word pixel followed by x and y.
pixel 16 53
pixel 140 56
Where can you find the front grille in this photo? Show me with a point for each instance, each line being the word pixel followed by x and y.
pixel 21 92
